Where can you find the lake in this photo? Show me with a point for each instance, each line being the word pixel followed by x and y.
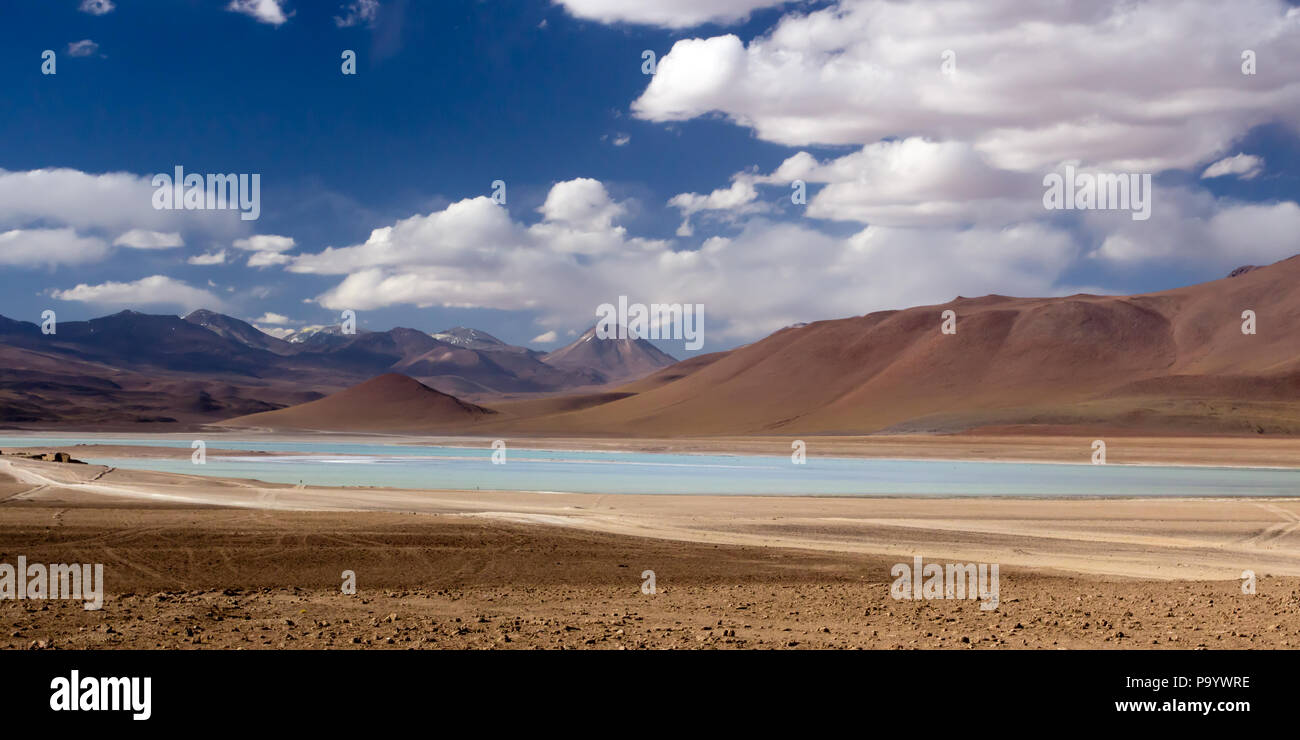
pixel 444 467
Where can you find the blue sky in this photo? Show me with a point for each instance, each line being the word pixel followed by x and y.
pixel 921 184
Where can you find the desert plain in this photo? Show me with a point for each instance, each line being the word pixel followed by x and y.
pixel 202 562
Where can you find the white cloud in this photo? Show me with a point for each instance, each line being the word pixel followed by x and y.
pixel 356 13
pixel 771 274
pixel 268 259
pixel 621 139
pixel 155 290
pixel 112 202
pixel 265 243
pixel 265 11
pixel 145 239
pixel 544 338
pixel 271 318
pixel 915 182
pixel 740 193
pixel 1193 227
pixel 210 258
pixel 469 230
pixel 32 247
pixel 472 255
pixel 582 203
pixel 83 48
pixel 1114 84
pixel 97 7
pixel 949 161
pixel 1244 166
pixel 735 200
pixel 666 13
pixel 902 182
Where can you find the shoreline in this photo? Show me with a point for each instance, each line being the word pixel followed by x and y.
pixel 1137 451
pixel 1159 538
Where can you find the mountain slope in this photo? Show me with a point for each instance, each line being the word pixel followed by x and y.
pixel 390 402
pixel 1170 361
pixel 130 339
pixel 615 359
pixel 239 331
pixel 474 339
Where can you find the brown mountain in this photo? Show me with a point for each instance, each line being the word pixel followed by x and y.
pixel 1175 361
pixel 239 331
pixel 131 368
pixel 390 402
pixel 615 359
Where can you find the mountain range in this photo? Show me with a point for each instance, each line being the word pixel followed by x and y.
pixel 1221 357
pixel 131 368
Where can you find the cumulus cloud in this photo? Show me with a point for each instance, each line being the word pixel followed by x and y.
pixel 582 203
pixel 1108 87
pixel 265 243
pixel 97 7
pixel 268 259
pixel 472 254
pixel 740 193
pixel 1244 166
pixel 735 200
pixel 145 239
pixel 264 11
pixel 210 258
pixel 83 48
pixel 544 338
pixel 469 229
pixel 155 290
pixel 271 318
pixel 666 13
pixel 1193 227
pixel 35 247
pixel 902 182
pixel 915 182
pixel 1114 84
pixel 112 202
pixel 358 12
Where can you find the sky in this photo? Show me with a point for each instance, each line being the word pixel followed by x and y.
pixel 923 136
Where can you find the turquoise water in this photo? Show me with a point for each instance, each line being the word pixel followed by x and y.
pixel 405 466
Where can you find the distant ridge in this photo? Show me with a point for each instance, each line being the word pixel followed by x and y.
pixel 133 368
pixel 240 331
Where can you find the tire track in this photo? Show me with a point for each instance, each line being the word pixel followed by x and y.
pixel 1271 534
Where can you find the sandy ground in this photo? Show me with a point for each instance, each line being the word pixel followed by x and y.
pixel 195 561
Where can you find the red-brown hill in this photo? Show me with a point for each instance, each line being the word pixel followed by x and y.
pixel 390 402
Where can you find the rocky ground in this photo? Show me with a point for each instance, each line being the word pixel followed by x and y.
pixel 233 579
